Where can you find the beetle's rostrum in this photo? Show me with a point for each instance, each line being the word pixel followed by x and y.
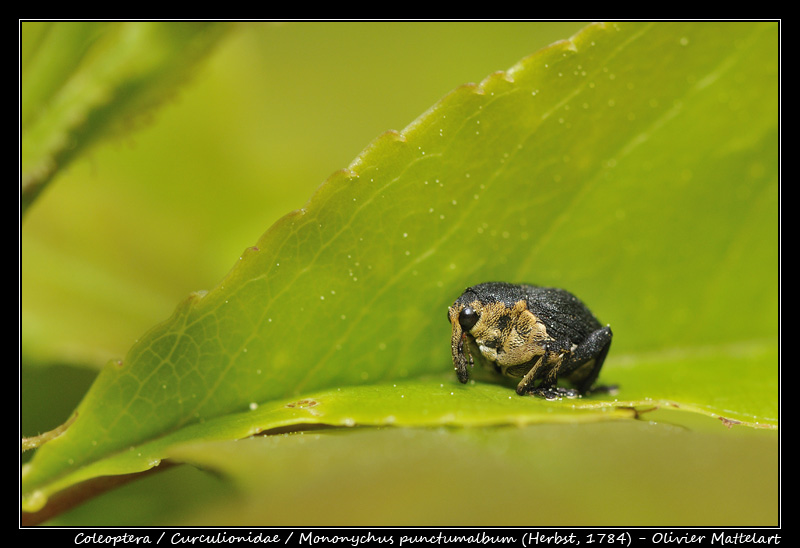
pixel 537 334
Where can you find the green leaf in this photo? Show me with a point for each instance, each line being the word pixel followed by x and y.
pixel 83 82
pixel 635 164
pixel 133 226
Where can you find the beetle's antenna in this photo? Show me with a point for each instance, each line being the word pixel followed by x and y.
pixel 464 358
pixel 457 347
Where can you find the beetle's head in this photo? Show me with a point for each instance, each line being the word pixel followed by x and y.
pixel 496 331
pixel 473 318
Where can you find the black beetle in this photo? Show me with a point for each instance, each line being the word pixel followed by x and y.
pixel 534 333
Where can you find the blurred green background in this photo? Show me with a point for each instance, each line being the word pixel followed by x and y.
pixel 273 112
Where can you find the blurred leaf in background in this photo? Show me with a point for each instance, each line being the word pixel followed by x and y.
pixel 636 164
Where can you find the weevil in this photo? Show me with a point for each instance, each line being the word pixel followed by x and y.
pixel 537 334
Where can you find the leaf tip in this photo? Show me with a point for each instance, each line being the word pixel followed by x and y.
pixel 36 441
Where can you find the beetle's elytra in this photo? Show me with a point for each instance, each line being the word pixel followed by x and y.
pixel 538 334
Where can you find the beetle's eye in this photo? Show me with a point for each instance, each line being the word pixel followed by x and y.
pixel 467 318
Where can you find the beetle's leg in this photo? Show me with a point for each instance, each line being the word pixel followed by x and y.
pixel 548 388
pixel 595 347
pixel 527 381
pixel 541 368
